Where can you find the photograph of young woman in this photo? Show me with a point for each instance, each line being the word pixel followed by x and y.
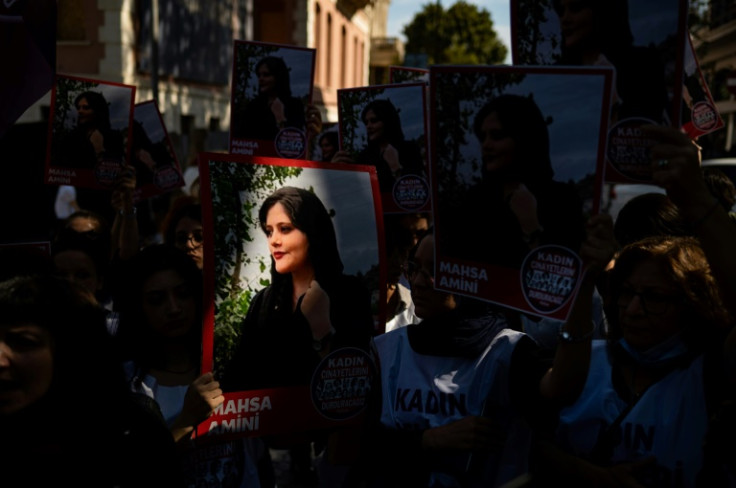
pixel 310 308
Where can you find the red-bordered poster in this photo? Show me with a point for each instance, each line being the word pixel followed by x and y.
pixel 90 132
pixel 271 89
pixel 517 167
pixel 157 169
pixel 385 126
pixel 289 360
pixel 642 40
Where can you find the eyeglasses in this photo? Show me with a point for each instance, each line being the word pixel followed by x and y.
pixel 183 238
pixel 653 303
pixel 412 269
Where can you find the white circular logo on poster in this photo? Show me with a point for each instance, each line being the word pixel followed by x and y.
pixel 549 276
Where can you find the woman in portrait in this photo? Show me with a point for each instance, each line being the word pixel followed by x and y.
pixel 273 108
pixel 517 205
pixel 310 307
pixel 92 140
pixel 387 149
pixel 598 33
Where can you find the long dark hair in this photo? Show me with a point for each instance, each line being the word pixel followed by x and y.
pixel 99 106
pixel 309 215
pixel 278 69
pixel 611 30
pixel 521 118
pixel 136 338
pixel 386 113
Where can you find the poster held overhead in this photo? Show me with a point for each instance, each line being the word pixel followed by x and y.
pixel 271 89
pixel 517 169
pixel 644 41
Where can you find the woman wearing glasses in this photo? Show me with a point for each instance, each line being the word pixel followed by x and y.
pixel 183 228
pixel 658 405
pixel 643 415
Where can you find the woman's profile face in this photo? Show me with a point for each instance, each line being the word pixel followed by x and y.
pixel 649 306
pixel 576 22
pixel 169 304
pixel 266 80
pixel 497 146
pixel 26 365
pixel 373 126
pixel 85 113
pixel 288 245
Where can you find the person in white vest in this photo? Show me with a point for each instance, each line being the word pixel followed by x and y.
pixel 658 408
pixel 460 390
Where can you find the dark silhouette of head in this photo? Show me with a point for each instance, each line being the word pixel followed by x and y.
pixel 99 106
pixel 522 120
pixel 386 113
pixel 278 69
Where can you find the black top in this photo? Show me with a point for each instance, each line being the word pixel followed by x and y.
pixel 276 348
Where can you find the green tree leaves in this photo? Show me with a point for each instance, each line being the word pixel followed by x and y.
pixel 462 34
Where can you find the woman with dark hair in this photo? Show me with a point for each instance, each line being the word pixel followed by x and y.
pixel 329 144
pixel 387 149
pixel 182 227
pixel 57 360
pixel 598 33
pixel 93 140
pixel 517 205
pixel 160 343
pixel 274 108
pixel 310 307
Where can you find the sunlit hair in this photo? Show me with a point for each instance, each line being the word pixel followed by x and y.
pixel 386 113
pixel 98 104
pixel 683 262
pixel 521 119
pixel 611 29
pixel 278 69
pixel 308 214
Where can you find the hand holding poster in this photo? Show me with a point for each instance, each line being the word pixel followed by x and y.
pixel 517 168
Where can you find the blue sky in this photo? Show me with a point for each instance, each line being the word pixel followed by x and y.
pixel 402 11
